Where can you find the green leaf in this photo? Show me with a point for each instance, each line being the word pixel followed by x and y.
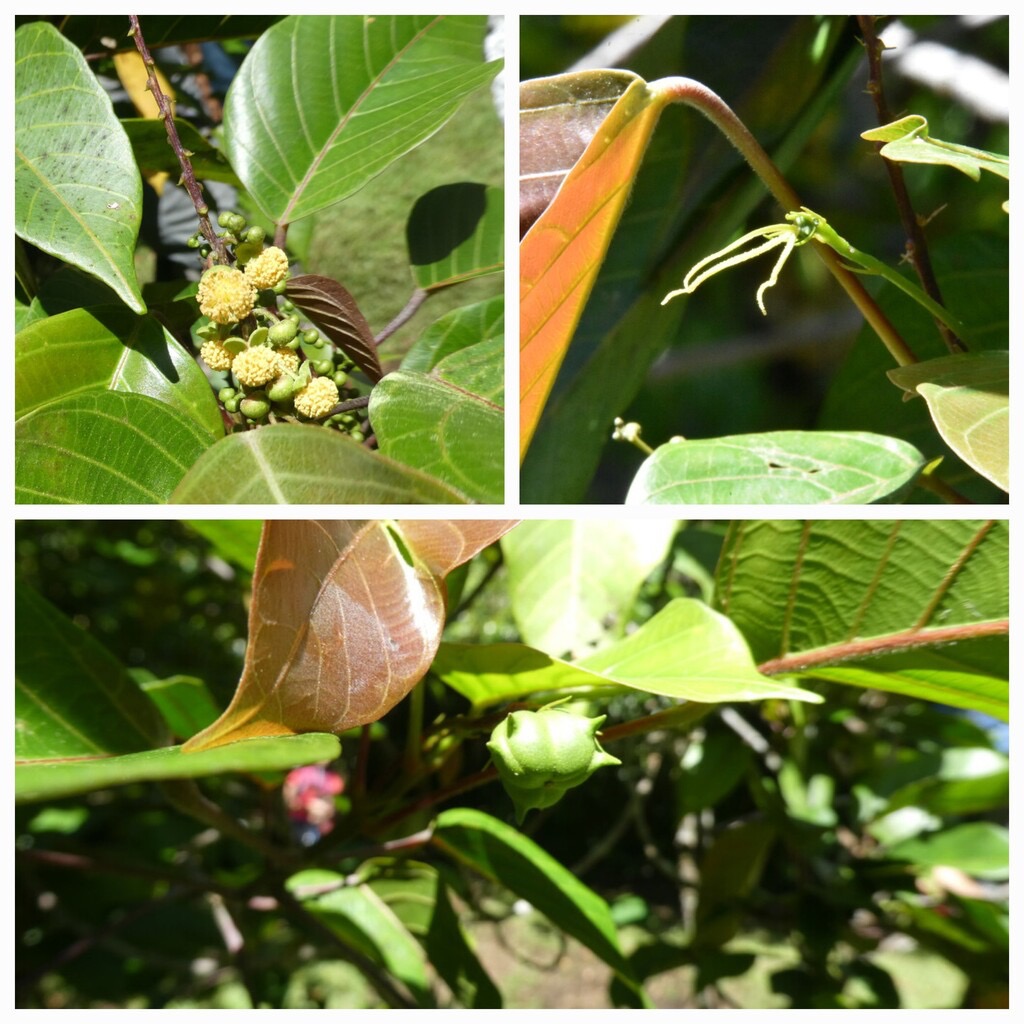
pixel 461 328
pixel 77 189
pixel 490 674
pixel 957 688
pixel 787 467
pixel 148 138
pixel 184 701
pixel 73 698
pixel 104 448
pixel 972 273
pixel 235 540
pixel 108 347
pixel 686 651
pixel 296 464
pixel 730 870
pixel 503 855
pixel 366 90
pixel 907 141
pixel 571 582
pixel 979 848
pixel 452 434
pixel 968 396
pixel 362 920
pixel 455 233
pixel 56 779
pixel 419 897
pixel 892 595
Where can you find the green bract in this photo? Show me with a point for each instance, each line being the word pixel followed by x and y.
pixel 542 754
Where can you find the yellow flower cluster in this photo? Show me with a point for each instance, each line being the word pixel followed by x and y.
pixel 226 295
pixel 267 269
pixel 317 398
pixel 257 366
pixel 215 355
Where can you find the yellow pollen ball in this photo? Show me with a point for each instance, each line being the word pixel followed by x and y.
pixel 256 366
pixel 267 269
pixel 215 355
pixel 317 398
pixel 225 295
pixel 289 359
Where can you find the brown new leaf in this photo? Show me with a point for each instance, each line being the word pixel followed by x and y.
pixel 330 306
pixel 346 617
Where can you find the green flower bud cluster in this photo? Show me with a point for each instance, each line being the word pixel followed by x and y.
pixel 540 755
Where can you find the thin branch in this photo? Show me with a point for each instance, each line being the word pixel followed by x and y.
pixel 188 177
pixel 917 247
pixel 904 641
pixel 416 300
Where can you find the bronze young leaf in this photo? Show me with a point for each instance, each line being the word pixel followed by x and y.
pixel 346 617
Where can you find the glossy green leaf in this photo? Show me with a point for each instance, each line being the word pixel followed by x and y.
pixel 979 848
pixel 686 651
pixel 294 464
pixel 366 90
pixel 73 698
pixel 56 779
pixel 503 855
pixel 104 448
pixel 362 920
pixel 689 650
pixel 969 398
pixel 108 347
pixel 788 467
pixel 461 328
pixel 454 435
pixel 77 188
pixel 907 141
pixel 572 582
pixel 882 595
pixel 491 674
pixel 455 233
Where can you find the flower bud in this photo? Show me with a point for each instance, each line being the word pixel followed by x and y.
pixel 540 755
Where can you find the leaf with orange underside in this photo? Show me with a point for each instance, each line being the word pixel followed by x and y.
pixel 346 617
pixel 561 254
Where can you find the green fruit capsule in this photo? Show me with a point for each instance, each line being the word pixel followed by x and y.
pixel 255 406
pixel 283 332
pixel 310 336
pixel 226 393
pixel 324 366
pixel 541 755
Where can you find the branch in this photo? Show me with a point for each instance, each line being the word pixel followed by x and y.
pixel 917 247
pixel 905 641
pixel 188 177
